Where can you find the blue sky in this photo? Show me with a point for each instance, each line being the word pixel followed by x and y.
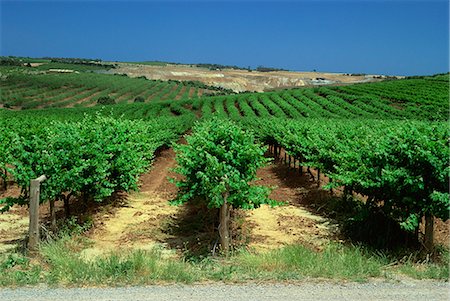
pixel 385 37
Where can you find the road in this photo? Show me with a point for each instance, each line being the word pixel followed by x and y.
pixel 410 291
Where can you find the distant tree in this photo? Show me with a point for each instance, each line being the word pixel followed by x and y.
pixel 106 100
pixel 139 99
pixel 268 69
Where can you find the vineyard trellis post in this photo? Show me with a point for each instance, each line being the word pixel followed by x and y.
pixel 33 240
pixel 429 232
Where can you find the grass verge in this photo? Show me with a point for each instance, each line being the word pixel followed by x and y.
pixel 61 263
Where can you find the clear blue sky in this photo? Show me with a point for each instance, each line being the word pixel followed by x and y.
pixel 385 37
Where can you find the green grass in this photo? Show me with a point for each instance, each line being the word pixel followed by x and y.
pixel 121 268
pixel 439 269
pixel 296 262
pixel 61 262
pixel 16 270
pixel 425 271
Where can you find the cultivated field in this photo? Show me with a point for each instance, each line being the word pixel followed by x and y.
pixel 343 182
pixel 51 85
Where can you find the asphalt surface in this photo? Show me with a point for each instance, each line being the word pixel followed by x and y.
pixel 410 291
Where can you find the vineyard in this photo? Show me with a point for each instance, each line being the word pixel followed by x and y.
pixel 416 98
pixel 44 88
pixel 385 143
pixel 331 103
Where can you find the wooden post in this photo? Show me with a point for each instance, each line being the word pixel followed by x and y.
pixel 318 177
pixel 33 240
pixel 289 161
pixel 224 230
pixel 310 173
pixel 52 215
pixel 429 232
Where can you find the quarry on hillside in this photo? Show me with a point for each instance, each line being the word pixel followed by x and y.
pixel 240 80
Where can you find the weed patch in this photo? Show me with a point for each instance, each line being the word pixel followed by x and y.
pixel 61 263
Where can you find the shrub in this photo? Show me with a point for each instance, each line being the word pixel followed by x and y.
pixel 106 100
pixel 139 99
pixel 218 163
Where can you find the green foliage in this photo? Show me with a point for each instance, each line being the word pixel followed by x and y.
pixel 402 167
pixel 411 222
pixel 106 100
pixel 15 269
pixel 91 158
pixel 426 99
pixel 72 227
pixel 6 61
pixel 12 260
pixel 95 157
pixel 220 157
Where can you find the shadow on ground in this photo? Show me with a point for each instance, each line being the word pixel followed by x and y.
pixel 358 223
pixel 194 230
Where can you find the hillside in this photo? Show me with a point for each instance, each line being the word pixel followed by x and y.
pixel 45 85
pixel 241 80
pixel 37 87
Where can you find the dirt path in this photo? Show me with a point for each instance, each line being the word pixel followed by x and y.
pixel 180 94
pixel 135 223
pixel 290 223
pixel 84 99
pixel 13 224
pixel 141 221
pixel 13 229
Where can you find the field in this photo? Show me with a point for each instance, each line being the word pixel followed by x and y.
pixel 52 85
pixel 356 170
pixel 25 88
pixel 239 80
